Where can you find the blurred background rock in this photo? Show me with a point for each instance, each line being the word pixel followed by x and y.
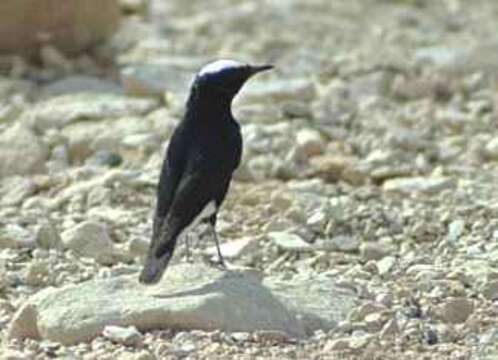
pixel 26 26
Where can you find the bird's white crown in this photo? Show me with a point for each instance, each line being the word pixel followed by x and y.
pixel 219 66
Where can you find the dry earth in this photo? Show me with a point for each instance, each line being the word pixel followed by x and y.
pixel 362 224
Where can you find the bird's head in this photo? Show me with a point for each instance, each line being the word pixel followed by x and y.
pixel 225 77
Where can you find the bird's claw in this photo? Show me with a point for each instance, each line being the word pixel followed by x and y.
pixel 220 264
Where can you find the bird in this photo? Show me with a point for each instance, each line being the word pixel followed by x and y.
pixel 203 152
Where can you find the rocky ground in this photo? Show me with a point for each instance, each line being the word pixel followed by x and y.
pixel 363 221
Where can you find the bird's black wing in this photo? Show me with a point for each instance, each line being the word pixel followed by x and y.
pixel 194 193
pixel 236 144
pixel 171 173
pixel 230 160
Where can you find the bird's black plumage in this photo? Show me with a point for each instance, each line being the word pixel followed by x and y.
pixel 203 152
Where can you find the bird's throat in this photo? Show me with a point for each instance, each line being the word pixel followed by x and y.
pixel 213 105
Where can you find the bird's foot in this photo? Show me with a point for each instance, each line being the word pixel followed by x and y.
pixel 188 257
pixel 220 264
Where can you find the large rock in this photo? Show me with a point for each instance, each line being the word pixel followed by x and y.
pixel 26 24
pixel 21 152
pixel 188 297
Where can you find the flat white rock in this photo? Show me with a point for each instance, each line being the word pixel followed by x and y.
pixel 190 296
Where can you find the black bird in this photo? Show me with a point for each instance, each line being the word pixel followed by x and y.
pixel 202 154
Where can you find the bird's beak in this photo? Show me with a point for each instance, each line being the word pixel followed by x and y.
pixel 260 68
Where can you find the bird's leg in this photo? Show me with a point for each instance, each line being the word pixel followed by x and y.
pixel 221 261
pixel 187 248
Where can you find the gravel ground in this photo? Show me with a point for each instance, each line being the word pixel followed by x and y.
pixel 370 156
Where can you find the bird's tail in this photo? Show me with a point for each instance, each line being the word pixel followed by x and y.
pixel 160 253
